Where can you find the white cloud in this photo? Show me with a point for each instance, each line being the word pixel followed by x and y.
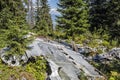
pixel 49 0
pixel 54 11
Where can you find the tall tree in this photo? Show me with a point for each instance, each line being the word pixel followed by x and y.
pixel 43 18
pixel 105 15
pixel 13 26
pixel 5 13
pixel 114 18
pixel 74 16
pixel 98 14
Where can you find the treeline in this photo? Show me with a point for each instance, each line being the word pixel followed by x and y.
pixel 94 18
pixel 79 20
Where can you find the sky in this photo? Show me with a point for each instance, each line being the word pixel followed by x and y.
pixel 53 9
pixel 53 3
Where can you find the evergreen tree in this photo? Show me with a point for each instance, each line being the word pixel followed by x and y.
pixel 5 13
pixel 74 16
pixel 114 19
pixel 13 26
pixel 104 14
pixel 98 15
pixel 43 18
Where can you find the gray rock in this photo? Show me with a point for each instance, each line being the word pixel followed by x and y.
pixel 64 61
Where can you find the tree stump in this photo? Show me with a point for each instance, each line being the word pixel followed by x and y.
pixel 74 46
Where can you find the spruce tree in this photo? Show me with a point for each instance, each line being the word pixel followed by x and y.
pixel 5 14
pixel 98 15
pixel 13 28
pixel 104 14
pixel 74 16
pixel 114 19
pixel 43 18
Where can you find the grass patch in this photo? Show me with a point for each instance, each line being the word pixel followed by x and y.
pixel 35 70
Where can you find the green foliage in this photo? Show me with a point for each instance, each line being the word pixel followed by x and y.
pixel 59 35
pixel 37 68
pixel 111 69
pixel 105 14
pixel 98 14
pixel 32 71
pixel 7 72
pixel 93 43
pixel 113 14
pixel 43 18
pixel 114 76
pixel 13 26
pixel 16 41
pixel 74 17
pixel 99 51
pixel 80 39
pixel 82 76
pixel 106 43
pixel 114 43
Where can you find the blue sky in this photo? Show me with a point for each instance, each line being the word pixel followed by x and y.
pixel 53 9
pixel 53 3
pixel 53 6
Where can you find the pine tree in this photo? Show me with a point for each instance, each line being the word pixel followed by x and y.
pixel 5 14
pixel 5 17
pixel 98 15
pixel 43 18
pixel 104 14
pixel 114 19
pixel 13 28
pixel 74 16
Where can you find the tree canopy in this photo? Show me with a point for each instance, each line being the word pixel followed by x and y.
pixel 74 16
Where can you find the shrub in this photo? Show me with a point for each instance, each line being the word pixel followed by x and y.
pixel 37 68
pixel 106 43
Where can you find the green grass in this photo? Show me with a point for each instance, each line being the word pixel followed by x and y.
pixel 111 70
pixel 32 71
